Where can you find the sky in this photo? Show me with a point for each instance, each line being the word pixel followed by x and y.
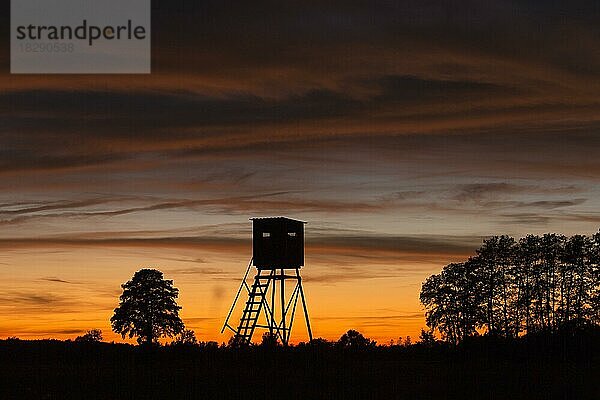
pixel 403 132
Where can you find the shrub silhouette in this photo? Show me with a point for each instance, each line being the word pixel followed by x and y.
pixel 186 337
pixel 148 308
pixel 427 338
pixel 91 336
pixel 355 340
pixel 269 340
pixel 236 342
pixel 320 343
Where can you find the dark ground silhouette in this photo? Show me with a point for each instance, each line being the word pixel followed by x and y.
pixel 558 366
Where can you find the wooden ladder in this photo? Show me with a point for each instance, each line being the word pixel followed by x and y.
pixel 252 310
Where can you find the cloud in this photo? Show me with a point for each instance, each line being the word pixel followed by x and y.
pixel 31 302
pixel 59 205
pixel 196 271
pixel 487 190
pixel 383 317
pixel 275 202
pixel 525 218
pixel 479 191
pixel 54 279
pixel 164 242
pixel 341 274
pixel 187 260
pixel 381 321
pixel 35 299
pixel 200 319
pixel 545 204
pixel 361 247
pixel 425 244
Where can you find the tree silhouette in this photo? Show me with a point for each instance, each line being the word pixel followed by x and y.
pixel 454 300
pixel 540 283
pixel 187 337
pixel 320 343
pixel 91 336
pixel 269 340
pixel 496 257
pixel 427 338
pixel 148 308
pixel 354 340
pixel 594 273
pixel 236 342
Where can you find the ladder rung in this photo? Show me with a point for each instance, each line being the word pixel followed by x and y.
pixel 244 328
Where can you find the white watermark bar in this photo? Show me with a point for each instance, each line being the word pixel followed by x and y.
pixel 80 37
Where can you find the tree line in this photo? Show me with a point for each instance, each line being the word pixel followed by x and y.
pixel 510 288
pixel 148 310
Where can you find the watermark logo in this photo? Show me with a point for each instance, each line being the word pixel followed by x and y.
pixel 80 36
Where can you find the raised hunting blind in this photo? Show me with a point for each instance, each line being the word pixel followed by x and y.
pixel 277 242
pixel 278 255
